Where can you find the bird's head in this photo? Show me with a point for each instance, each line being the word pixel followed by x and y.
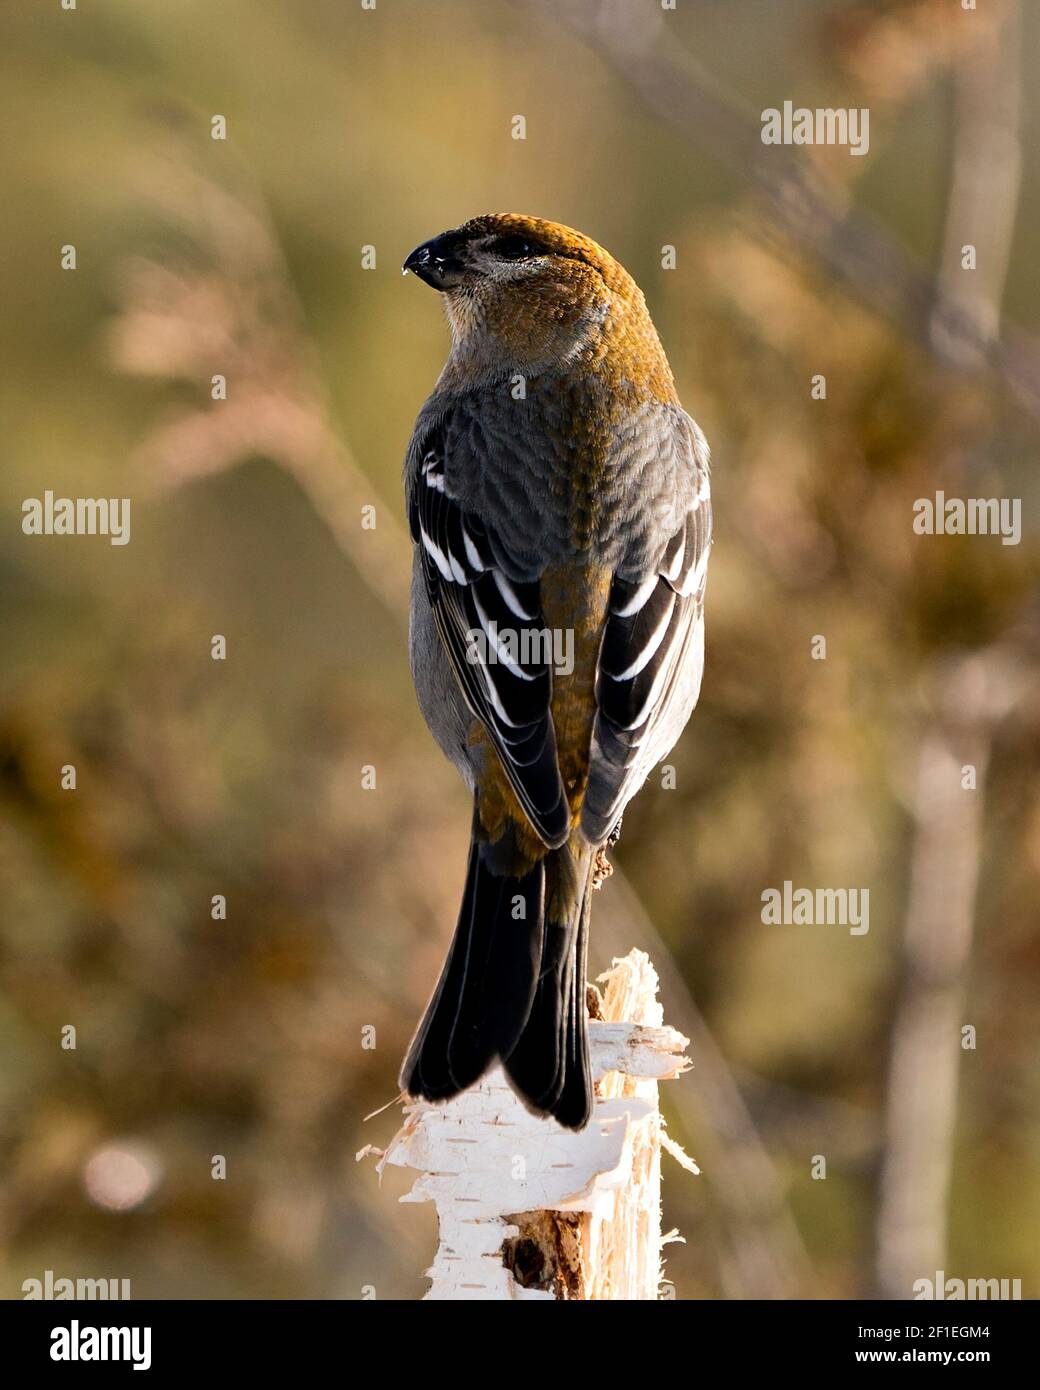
pixel 524 292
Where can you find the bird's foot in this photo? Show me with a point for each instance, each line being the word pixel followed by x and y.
pixel 602 868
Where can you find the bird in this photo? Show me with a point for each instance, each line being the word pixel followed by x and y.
pixel 558 500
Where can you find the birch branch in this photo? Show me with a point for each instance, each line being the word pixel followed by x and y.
pixel 528 1210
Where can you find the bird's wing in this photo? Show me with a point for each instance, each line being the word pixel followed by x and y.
pixel 492 628
pixel 650 661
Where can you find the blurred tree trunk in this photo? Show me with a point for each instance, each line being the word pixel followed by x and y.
pixel 921 1107
pixel 970 694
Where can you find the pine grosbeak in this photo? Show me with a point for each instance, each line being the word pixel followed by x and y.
pixel 554 485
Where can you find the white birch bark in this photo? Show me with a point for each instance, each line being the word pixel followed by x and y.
pixel 529 1210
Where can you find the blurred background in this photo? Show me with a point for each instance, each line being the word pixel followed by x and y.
pixel 243 258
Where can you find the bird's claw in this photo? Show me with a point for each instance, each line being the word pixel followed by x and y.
pixel 602 868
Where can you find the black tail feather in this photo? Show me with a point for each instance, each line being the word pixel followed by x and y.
pixel 536 1065
pixel 484 995
pixel 550 1064
pixel 573 1106
pixel 513 988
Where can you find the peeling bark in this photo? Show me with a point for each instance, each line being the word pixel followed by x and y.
pixel 529 1210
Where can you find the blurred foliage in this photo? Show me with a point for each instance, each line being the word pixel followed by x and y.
pixel 243 1037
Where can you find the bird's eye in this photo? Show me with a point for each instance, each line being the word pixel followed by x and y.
pixel 513 248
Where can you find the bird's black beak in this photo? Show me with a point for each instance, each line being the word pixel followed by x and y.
pixel 437 262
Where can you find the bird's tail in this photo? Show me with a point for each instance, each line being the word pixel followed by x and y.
pixel 513 986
